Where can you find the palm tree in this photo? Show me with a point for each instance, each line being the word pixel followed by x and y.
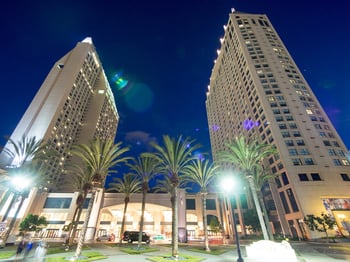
pixel 146 168
pixel 81 178
pixel 247 156
pixel 23 151
pixel 97 157
pixel 202 173
pixel 128 185
pixel 25 158
pixel 173 157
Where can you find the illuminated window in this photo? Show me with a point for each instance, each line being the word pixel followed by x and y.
pixel 345 162
pixel 309 111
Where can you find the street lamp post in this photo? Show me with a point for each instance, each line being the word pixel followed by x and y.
pixel 228 185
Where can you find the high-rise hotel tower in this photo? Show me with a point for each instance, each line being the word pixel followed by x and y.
pixel 256 89
pixel 74 104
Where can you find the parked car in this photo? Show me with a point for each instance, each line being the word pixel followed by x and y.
pixel 104 238
pixel 130 236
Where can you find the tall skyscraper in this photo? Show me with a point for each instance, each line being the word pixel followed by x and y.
pixel 256 89
pixel 74 104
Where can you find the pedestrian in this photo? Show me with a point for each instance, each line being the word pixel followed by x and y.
pixel 29 247
pixel 40 252
pixel 20 248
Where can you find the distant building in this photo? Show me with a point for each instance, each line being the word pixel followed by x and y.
pixel 256 89
pixel 74 104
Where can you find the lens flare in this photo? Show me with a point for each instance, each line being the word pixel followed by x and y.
pixel 249 124
pixel 119 80
pixel 139 97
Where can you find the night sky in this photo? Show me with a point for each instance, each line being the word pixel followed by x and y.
pixel 165 50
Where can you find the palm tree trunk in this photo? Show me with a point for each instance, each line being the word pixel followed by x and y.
pixel 142 217
pixel 258 207
pixel 205 222
pixel 126 201
pixel 175 232
pixel 3 202
pixel 75 223
pixel 266 217
pixel 85 226
pixel 13 220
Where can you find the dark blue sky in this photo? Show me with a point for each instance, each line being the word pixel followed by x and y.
pixel 166 49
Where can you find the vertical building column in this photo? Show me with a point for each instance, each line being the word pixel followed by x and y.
pixel 182 216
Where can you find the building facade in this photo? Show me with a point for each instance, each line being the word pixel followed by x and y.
pixel 107 214
pixel 73 105
pixel 257 90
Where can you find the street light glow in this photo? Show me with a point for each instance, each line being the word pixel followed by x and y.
pixel 228 184
pixel 20 182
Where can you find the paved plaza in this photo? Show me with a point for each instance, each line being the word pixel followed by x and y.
pixel 306 252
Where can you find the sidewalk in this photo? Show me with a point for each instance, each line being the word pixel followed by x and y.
pixel 305 253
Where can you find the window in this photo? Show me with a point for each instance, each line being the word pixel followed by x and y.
pixel 323 134
pixel 335 143
pixel 340 153
pixel 292 200
pixel 58 202
pixel 289 142
pixel 326 143
pixel 300 142
pixel 308 161
pixel 211 205
pixel 304 151
pixel 292 125
pixel 293 152
pixel 190 204
pixel 296 162
pixel 285 178
pixel 336 162
pixel 345 162
pixel 278 182
pixel 284 202
pixel 279 118
pixel 331 152
pixel 296 134
pixel 303 177
pixel 315 176
pixel 345 177
pixel 280 166
pixel 285 134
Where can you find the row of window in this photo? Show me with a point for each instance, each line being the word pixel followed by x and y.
pixel 317 177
